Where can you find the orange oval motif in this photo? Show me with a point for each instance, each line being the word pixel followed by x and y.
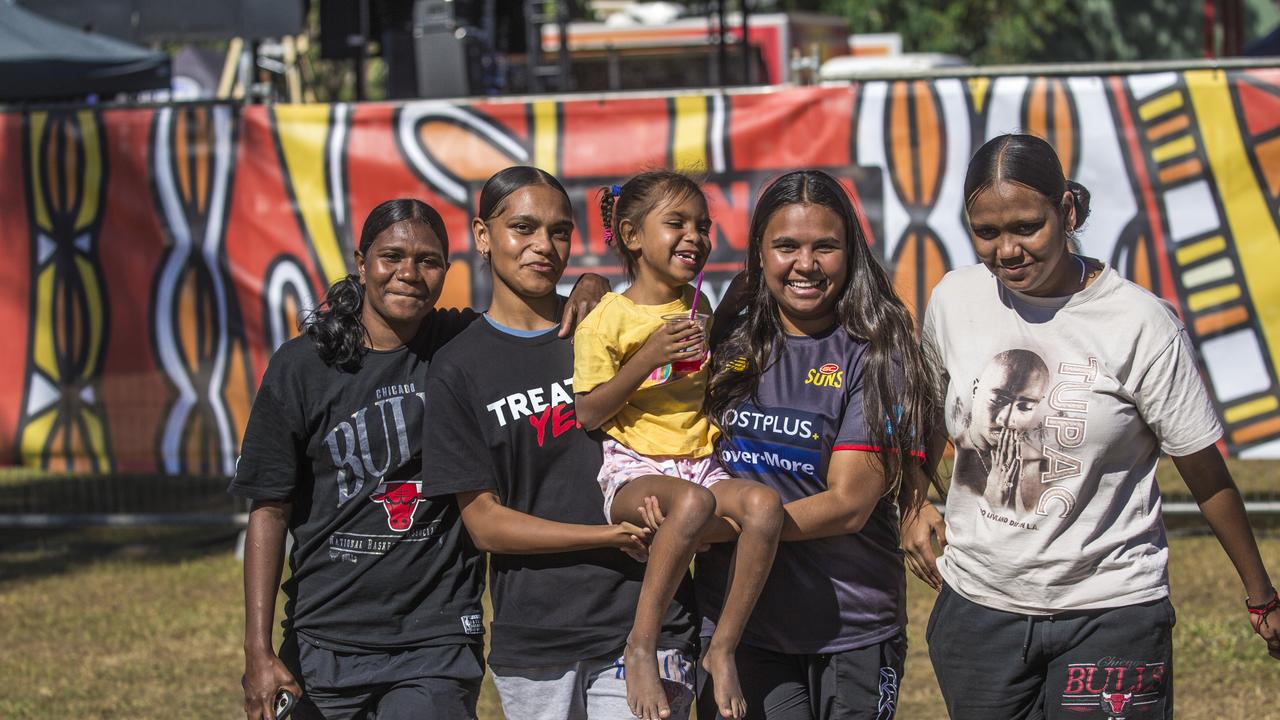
pixel 829 369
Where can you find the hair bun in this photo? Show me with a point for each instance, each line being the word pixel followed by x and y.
pixel 1081 195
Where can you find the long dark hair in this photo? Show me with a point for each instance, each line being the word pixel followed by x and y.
pixel 900 382
pixel 1026 160
pixel 636 199
pixel 335 324
pixel 506 181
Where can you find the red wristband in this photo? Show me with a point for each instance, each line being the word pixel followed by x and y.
pixel 1265 608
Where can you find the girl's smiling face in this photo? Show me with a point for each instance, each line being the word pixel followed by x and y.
pixel 673 242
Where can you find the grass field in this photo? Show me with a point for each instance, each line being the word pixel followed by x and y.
pixel 147 623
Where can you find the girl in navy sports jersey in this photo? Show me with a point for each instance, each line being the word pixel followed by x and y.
pixel 822 393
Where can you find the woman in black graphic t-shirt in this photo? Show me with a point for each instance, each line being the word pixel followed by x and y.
pixel 383 613
pixel 524 474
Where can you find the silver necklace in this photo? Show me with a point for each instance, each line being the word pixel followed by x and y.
pixel 1083 267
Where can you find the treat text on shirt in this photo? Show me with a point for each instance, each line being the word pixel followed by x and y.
pixel 532 402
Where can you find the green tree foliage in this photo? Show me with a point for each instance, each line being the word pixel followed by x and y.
pixel 1025 31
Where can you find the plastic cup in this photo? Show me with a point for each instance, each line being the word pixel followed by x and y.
pixel 699 356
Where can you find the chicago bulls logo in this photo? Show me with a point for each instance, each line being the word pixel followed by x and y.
pixel 401 501
pixel 1114 703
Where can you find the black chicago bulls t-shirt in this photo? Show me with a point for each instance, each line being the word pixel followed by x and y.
pixel 502 419
pixel 375 563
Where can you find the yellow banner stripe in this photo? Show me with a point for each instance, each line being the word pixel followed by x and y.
pixel 92 170
pixel 93 297
pixel 303 131
pixel 1208 298
pixel 35 436
pixel 1161 105
pixel 42 347
pixel 1253 408
pixel 689 141
pixel 38 120
pixel 1184 145
pixel 978 91
pixel 1257 240
pixel 1200 250
pixel 546 135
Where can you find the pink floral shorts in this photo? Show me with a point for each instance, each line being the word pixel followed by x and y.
pixel 622 465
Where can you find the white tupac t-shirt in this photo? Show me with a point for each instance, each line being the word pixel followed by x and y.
pixel 1058 409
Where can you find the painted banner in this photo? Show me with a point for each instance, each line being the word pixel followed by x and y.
pixel 156 256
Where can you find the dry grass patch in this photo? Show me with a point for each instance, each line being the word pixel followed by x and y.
pixel 147 624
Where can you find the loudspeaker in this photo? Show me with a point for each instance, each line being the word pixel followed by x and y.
pixel 451 58
pixel 341 31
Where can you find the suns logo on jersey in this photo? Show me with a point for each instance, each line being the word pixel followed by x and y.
pixel 829 375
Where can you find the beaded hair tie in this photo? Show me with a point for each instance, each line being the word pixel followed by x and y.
pixel 614 192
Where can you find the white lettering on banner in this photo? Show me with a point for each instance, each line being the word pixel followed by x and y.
pixel 531 402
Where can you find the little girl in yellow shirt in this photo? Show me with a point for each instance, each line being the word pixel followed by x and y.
pixel 640 375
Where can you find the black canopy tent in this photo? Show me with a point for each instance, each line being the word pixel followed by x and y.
pixel 41 59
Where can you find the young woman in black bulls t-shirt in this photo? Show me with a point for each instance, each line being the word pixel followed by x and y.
pixel 383 614
pixel 524 474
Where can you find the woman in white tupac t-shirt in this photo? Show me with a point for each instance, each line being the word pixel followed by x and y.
pixel 1064 382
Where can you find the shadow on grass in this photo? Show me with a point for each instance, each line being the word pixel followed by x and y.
pixel 28 554
pixel 73 509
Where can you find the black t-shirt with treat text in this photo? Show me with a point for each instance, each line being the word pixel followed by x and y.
pixel 376 564
pixel 503 420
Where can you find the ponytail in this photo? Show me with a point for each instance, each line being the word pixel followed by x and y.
pixel 1080 197
pixel 336 327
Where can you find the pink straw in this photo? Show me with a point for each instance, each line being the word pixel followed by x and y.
pixel 697 292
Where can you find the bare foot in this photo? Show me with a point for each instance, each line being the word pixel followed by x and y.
pixel 724 676
pixel 645 695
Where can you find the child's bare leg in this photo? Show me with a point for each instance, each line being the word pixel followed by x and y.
pixel 688 509
pixel 758 511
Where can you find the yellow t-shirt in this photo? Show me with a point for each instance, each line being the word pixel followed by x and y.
pixel 663 417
